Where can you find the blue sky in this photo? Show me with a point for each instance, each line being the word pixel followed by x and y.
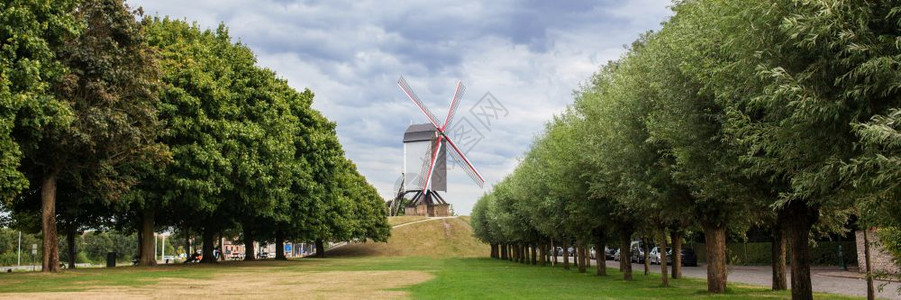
pixel 530 55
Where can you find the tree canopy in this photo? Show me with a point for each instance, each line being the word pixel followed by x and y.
pixel 148 124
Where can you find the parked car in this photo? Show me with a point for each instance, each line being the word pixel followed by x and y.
pixel 611 254
pixel 637 252
pixel 654 255
pixel 689 258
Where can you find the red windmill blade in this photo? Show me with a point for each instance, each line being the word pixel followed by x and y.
pixel 457 154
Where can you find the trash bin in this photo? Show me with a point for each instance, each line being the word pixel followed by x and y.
pixel 111 259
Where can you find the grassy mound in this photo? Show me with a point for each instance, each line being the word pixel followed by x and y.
pixel 450 237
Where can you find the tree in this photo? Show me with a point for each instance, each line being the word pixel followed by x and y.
pixel 201 110
pixel 820 67
pixel 106 116
pixel 30 32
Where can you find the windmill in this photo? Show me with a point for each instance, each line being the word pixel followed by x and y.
pixel 425 148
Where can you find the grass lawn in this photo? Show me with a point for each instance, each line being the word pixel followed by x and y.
pixel 362 277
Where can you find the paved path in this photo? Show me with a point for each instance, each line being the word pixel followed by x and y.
pixel 824 279
pixel 38 267
pixel 423 220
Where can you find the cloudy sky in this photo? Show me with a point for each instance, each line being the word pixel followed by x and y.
pixel 530 55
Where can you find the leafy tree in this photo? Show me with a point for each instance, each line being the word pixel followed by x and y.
pixel 104 115
pixel 200 110
pixel 30 31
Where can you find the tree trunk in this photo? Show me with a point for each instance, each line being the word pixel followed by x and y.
pixel 716 257
pixel 148 247
pixel 662 249
pixel 493 250
pixel 647 262
pixel 188 251
pixel 140 242
pixel 542 252
pixel 503 248
pixel 601 254
pixel 676 238
pixel 778 252
pixel 800 220
pixel 871 291
pixel 320 248
pixel 625 262
pixel 582 257
pixel 209 236
pixel 50 258
pixel 553 253
pixel 518 251
pixel 588 257
pixel 534 254
pixel 219 243
pixel 575 254
pixel 280 245
pixel 565 256
pixel 70 241
pixel 523 253
pixel 249 251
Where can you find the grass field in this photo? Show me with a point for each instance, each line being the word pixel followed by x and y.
pixel 438 259
pixel 436 238
pixel 360 277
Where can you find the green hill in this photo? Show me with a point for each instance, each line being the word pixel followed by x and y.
pixel 418 236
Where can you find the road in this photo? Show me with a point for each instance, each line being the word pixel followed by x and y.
pixel 37 267
pixel 824 279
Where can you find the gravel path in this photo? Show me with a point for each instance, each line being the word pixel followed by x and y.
pixel 825 279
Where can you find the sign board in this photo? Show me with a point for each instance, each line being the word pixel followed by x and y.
pixel 287 248
pixel 34 249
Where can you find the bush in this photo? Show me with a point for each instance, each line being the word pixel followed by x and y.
pixel 891 241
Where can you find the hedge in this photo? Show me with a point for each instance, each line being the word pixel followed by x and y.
pixel 822 254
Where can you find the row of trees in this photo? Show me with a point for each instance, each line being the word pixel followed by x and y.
pixel 780 114
pixel 111 120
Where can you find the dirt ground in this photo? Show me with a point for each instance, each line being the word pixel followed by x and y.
pixel 258 284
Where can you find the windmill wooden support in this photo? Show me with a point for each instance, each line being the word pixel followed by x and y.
pixel 425 149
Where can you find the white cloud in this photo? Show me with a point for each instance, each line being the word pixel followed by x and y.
pixel 531 55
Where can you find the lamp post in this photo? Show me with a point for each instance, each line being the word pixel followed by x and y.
pixel 19 259
pixel 34 252
pixel 841 259
pixel 163 249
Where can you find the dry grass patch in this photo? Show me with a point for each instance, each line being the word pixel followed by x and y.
pixel 259 283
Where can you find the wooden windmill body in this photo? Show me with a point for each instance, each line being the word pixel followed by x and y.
pixel 425 161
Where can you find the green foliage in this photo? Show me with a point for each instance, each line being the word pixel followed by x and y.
pixel 823 253
pixel 157 117
pixel 780 114
pixel 30 31
pixel 891 241
pixel 9 246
